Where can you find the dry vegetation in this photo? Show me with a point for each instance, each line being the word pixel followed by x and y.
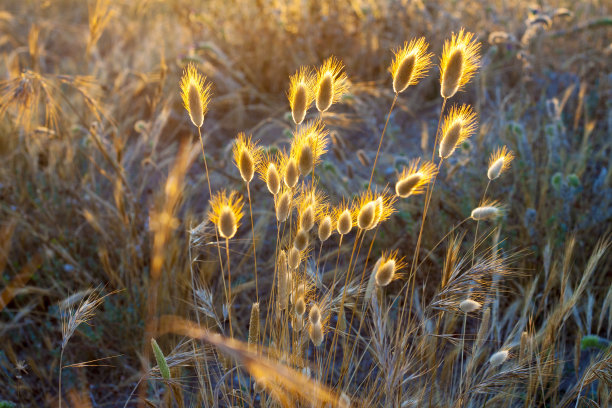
pixel 437 236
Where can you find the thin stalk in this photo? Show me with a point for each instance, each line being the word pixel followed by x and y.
pixel 382 135
pixel 59 385
pixel 229 288
pixel 462 347
pixel 478 221
pixel 254 252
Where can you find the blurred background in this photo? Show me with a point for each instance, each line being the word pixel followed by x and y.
pixel 91 121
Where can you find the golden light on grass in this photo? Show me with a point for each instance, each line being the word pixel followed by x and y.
pixel 343 219
pixel 380 203
pixel 388 265
pixel 308 145
pixel 499 162
pixel 310 204
pixel 195 93
pixel 414 178
pixel 460 60
pixel 226 213
pixel 410 63
pixel 282 204
pixel 289 170
pixel 459 124
pixel 300 93
pixel 300 242
pixel 365 216
pixel 330 83
pixel 325 228
pixel 247 156
pixel 268 169
pixel 253 338
pixel 487 211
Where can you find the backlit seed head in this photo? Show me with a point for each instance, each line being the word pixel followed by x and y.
pixel 282 204
pixel 272 179
pixel 284 284
pixel 469 306
pixel 414 178
pixel 307 218
pixel 300 93
pixel 226 213
pixel 246 156
pixel 499 162
pixel 253 327
pixel 301 240
pixel 388 265
pixel 345 222
pixel 365 218
pixel 499 358
pixel 331 83
pixel 487 211
pixel 300 306
pixel 325 228
pixel 292 173
pixel 458 125
pixel 294 258
pixel 460 60
pixel 314 315
pixel 315 332
pixel 410 64
pixel 308 145
pixel 306 160
pixel 195 94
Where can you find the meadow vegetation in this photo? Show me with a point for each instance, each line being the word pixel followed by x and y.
pixel 305 203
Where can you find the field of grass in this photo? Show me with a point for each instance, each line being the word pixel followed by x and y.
pixel 305 203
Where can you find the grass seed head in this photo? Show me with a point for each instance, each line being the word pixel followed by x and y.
pixel 292 173
pixel 161 360
pixel 294 258
pixel 254 327
pixel 460 60
pixel 284 284
pixel 325 228
pixel 345 222
pixel 499 358
pixel 307 218
pixel 300 306
pixel 410 63
pixel 388 265
pixel 458 125
pixel 315 332
pixel 272 179
pixel 412 179
pixel 226 213
pixel 331 83
pixel 314 315
pixel 469 306
pixel 246 156
pixel 365 218
pixel 308 145
pixel 301 240
pixel 488 211
pixel 499 162
pixel 195 94
pixel 300 94
pixel 282 203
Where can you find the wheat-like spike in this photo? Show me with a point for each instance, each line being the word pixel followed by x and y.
pixel 161 360
pixel 226 213
pixel 410 63
pixel 331 83
pixel 499 162
pixel 459 124
pixel 460 60
pixel 195 93
pixel 300 93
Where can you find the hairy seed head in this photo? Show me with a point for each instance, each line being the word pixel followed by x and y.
pixel 300 306
pixel 300 103
pixel 452 75
pixel 345 222
pixel 315 332
pixel 495 169
pixel 283 281
pixel 469 305
pixel 301 240
pixel 402 77
pixel 325 228
pixel 449 141
pixel 314 315
pixel 294 258
pixel 404 187
pixel 246 166
pixel 196 112
pixel 283 206
pixel 486 212
pixel 325 92
pixel 291 173
pixel 307 218
pixel 272 179
pixel 227 223
pixel 306 159
pixel 253 327
pixel 366 215
pixel 161 360
pixel 385 272
pixel 499 358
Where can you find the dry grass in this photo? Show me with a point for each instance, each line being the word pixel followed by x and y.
pixel 106 181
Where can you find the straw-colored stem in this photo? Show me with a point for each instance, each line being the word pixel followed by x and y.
pixel 462 347
pixel 382 135
pixel 229 288
pixel 433 153
pixel 59 384
pixel 254 251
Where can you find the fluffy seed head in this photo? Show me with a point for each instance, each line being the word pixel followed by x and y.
pixel 325 228
pixel 284 284
pixel 412 179
pixel 460 60
pixel 314 315
pixel 292 173
pixel 315 332
pixel 253 327
pixel 246 156
pixel 388 265
pixel 469 306
pixel 307 218
pixel 301 240
pixel 282 204
pixel 226 213
pixel 195 94
pixel 272 179
pixel 300 306
pixel 410 64
pixel 382 204
pixel 499 358
pixel 345 222
pixel 331 83
pixel 458 125
pixel 499 162
pixel 308 145
pixel 365 218
pixel 268 170
pixel 300 93
pixel 293 260
pixel 488 211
